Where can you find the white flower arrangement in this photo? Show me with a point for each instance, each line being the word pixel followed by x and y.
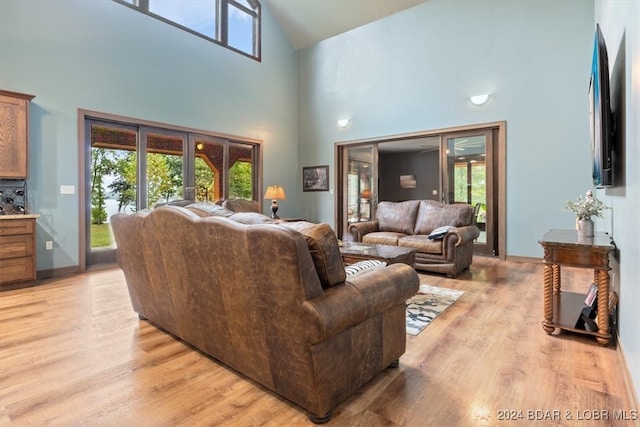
pixel 587 207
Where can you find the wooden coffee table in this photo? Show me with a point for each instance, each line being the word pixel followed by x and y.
pixel 353 252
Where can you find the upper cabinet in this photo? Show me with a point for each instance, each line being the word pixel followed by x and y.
pixel 14 135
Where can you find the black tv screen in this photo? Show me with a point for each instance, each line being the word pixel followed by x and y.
pixel 600 114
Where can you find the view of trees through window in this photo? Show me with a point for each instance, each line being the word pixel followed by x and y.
pixel 470 184
pixel 114 181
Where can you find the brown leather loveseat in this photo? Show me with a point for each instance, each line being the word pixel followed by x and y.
pixel 269 300
pixel 410 224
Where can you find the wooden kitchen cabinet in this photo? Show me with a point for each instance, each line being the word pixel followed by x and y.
pixel 17 248
pixel 14 135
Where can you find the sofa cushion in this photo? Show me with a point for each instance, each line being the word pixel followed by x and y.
pixel 383 238
pixel 203 209
pixel 242 205
pixel 397 216
pixel 324 249
pixel 422 243
pixel 252 218
pixel 433 214
pixel 361 267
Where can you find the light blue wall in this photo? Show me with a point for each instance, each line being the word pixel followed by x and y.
pixel 415 70
pixel 620 24
pixel 103 56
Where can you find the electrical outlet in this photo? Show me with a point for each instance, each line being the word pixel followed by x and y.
pixel 48 245
pixel 434 192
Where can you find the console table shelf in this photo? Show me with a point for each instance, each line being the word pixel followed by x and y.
pixel 562 309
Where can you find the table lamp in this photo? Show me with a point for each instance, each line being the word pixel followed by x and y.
pixel 275 192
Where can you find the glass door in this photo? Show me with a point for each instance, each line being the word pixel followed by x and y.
pixel 358 191
pixel 468 178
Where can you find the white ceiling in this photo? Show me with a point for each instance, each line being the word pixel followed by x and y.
pixel 309 21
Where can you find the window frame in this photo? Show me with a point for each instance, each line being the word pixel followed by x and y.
pixel 221 24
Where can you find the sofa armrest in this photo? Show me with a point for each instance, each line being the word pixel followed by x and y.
pixel 362 297
pixel 458 236
pixel 464 234
pixel 358 229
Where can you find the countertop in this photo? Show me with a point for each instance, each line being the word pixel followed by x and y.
pixel 19 216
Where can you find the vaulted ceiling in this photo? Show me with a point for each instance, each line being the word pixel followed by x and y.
pixel 309 21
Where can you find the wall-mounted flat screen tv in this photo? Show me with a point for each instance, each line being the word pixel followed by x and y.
pixel 601 119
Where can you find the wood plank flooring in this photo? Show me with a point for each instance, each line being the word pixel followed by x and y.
pixel 73 353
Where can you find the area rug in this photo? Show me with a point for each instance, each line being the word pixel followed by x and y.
pixel 427 304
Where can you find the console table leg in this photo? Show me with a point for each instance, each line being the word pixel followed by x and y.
pixel 556 278
pixel 602 282
pixel 547 323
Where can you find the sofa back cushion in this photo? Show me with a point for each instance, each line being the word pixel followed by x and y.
pixel 203 209
pixel 242 205
pixel 397 216
pixel 433 214
pixel 323 246
pixel 252 218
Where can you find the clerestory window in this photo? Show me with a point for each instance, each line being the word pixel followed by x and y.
pixel 234 24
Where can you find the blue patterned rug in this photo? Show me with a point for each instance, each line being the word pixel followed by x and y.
pixel 427 304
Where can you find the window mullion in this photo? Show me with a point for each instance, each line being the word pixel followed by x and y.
pixel 223 22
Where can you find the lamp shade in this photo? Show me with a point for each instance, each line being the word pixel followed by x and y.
pixel 275 192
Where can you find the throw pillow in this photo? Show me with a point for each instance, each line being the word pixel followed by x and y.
pixel 363 266
pixel 440 232
pixel 323 246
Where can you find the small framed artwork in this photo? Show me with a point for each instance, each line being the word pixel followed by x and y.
pixel 315 178
pixel 407 181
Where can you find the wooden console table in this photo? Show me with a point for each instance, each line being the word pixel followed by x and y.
pixel 562 309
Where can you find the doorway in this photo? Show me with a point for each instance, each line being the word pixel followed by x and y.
pixel 465 164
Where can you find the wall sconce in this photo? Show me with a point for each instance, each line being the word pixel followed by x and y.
pixel 479 99
pixel 343 123
pixel 275 192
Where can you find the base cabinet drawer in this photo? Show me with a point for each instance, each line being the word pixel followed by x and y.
pixel 16 246
pixel 17 269
pixel 17 250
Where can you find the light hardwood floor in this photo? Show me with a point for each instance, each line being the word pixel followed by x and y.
pixel 73 353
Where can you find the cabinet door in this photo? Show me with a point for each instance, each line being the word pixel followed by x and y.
pixel 14 130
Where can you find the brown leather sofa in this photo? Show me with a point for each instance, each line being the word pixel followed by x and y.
pixel 269 300
pixel 409 224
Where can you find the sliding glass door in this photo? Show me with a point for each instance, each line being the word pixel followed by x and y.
pixel 468 178
pixel 132 167
pixel 359 185
pixel 458 165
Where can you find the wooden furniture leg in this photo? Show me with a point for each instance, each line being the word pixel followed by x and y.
pixel 547 323
pixel 602 282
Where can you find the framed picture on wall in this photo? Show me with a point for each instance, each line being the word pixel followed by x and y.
pixel 407 181
pixel 315 178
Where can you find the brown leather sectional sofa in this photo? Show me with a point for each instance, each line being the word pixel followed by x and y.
pixel 409 224
pixel 270 300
